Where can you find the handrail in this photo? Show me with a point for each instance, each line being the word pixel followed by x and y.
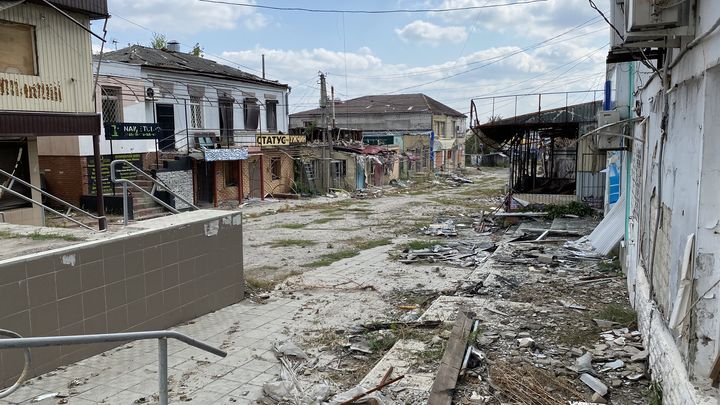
pixel 161 336
pixel 126 182
pixel 13 179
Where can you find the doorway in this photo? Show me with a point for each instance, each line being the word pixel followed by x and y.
pixel 254 172
pixel 165 115
pixel 205 182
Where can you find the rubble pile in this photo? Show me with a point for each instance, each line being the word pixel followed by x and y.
pixel 461 254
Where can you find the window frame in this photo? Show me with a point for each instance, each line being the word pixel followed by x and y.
pixel 118 99
pixel 32 31
pixel 339 168
pixel 275 165
pixel 274 126
pixel 196 112
pixel 231 167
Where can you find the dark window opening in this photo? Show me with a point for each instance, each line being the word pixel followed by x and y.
pixel 251 113
pixel 230 173
pixel 271 115
pixel 339 168
pixel 275 168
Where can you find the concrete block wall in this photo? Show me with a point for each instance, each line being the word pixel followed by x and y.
pixel 176 269
pixel 666 362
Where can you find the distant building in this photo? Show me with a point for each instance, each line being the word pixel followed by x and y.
pixel 46 87
pixel 387 118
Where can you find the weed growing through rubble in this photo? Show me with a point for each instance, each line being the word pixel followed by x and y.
pixel 292 242
pixel 617 313
pixel 654 393
pixel 39 236
pixel 381 343
pixel 418 244
pixel 326 220
pixel 292 226
pixel 610 266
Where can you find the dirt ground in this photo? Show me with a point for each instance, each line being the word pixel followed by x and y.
pixel 369 308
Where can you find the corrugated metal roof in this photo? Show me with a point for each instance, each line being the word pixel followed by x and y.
pixel 182 62
pixel 94 8
pixel 388 104
pixel 22 123
pixel 610 230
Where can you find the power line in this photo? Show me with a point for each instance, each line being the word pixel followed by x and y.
pixel 390 11
pixel 592 4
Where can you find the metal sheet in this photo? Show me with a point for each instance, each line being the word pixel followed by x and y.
pixel 21 123
pixel 610 230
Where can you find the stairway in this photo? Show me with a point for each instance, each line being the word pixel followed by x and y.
pixel 145 207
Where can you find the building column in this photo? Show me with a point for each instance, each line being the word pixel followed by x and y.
pixel 241 186
pixel 38 213
pixel 262 178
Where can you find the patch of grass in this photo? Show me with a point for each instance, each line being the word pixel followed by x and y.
pixel 330 258
pixel 621 314
pixel 654 393
pixel 610 266
pixel 39 236
pixel 573 208
pixel 292 226
pixel 292 242
pixel 381 343
pixel 266 267
pixel 370 244
pixel 259 284
pixel 418 244
pixel 326 220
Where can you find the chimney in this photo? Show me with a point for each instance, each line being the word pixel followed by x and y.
pixel 173 46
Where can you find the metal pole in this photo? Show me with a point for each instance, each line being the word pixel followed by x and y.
pixel 125 204
pixel 163 370
pixel 187 126
pixel 263 65
pixel 100 199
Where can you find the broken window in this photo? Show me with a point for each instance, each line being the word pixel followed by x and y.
pixel 275 168
pixel 17 54
pixel 230 173
pixel 271 115
pixel 251 113
pixel 111 104
pixel 339 168
pixel 196 112
pixel 440 129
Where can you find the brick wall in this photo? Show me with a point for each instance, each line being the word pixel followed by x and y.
pixel 148 280
pixel 65 176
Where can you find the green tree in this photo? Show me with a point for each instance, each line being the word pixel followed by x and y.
pixel 159 41
pixel 197 50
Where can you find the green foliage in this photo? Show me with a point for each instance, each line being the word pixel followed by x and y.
pixel 418 244
pixel 621 314
pixel 197 50
pixel 292 226
pixel 159 41
pixel 39 236
pixel 572 208
pixel 654 393
pixel 292 242
pixel 381 343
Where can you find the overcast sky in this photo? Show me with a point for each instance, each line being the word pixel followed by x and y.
pixel 555 45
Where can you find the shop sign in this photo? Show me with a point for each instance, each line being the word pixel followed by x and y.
pixel 279 140
pixel 115 131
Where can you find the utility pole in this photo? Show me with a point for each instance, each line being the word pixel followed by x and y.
pixel 326 139
pixel 332 100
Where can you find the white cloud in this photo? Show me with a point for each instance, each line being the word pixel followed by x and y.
pixel 184 16
pixel 538 70
pixel 529 20
pixel 426 32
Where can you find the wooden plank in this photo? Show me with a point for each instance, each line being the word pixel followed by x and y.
pixel 715 373
pixel 446 378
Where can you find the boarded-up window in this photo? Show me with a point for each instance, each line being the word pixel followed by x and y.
pixel 111 104
pixel 275 168
pixel 17 52
pixel 196 108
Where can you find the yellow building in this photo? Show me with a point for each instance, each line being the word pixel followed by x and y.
pixel 46 93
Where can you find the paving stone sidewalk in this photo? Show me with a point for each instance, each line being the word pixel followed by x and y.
pixel 128 374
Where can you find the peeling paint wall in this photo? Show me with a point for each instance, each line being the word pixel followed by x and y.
pixel 680 173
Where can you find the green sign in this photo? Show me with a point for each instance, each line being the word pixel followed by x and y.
pixel 116 131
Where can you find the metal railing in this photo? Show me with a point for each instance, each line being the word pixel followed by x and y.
pixel 156 183
pixel 70 208
pixel 17 342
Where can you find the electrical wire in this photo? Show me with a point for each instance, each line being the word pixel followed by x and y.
pixel 592 4
pixel 390 11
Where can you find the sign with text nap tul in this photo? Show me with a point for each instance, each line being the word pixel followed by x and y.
pixel 116 131
pixel 279 140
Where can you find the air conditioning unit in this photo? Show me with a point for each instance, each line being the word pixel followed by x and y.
pixel 607 139
pixel 653 15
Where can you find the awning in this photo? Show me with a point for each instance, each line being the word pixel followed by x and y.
pixel 213 155
pixel 444 144
pixel 25 123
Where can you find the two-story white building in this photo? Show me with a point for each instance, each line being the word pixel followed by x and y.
pixel 46 93
pixel 198 105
